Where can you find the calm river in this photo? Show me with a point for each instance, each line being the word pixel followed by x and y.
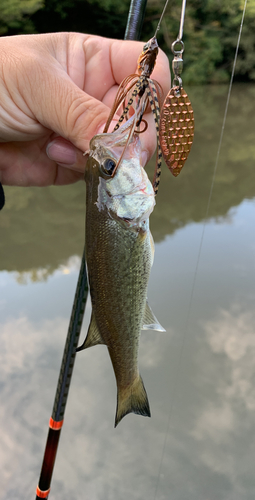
pixel 199 375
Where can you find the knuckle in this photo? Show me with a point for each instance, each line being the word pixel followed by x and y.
pixel 83 117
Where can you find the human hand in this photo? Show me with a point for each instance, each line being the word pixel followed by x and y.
pixel 56 91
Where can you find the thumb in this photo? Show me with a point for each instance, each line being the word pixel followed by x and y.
pixel 65 154
pixel 61 106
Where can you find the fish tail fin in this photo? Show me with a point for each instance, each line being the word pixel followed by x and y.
pixel 132 399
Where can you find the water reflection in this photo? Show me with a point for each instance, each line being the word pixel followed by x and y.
pixel 41 228
pixel 199 375
pixel 210 445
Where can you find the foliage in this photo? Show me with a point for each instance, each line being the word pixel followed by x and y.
pixel 15 15
pixel 101 17
pixel 210 32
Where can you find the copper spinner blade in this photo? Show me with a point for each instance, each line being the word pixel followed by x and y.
pixel 176 129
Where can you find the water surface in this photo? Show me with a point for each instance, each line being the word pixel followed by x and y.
pixel 199 375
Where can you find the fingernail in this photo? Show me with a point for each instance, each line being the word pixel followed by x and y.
pixel 63 153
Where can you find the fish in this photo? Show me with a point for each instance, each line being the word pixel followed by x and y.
pixel 119 252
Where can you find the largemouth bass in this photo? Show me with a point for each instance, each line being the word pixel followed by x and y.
pixel 119 254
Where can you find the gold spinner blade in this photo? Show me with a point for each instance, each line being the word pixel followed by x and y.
pixel 176 129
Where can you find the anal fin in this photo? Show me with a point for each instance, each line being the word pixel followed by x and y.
pixel 93 336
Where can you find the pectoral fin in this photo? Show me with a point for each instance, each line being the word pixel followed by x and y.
pixel 150 321
pixel 93 335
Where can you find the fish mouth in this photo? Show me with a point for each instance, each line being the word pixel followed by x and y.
pixel 133 209
pixel 129 223
pixel 127 216
pixel 142 189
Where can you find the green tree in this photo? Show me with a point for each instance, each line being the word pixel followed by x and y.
pixel 101 17
pixel 15 16
pixel 210 31
pixel 210 34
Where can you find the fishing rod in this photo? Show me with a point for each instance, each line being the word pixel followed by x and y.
pixel 64 380
pixel 135 19
pixel 133 30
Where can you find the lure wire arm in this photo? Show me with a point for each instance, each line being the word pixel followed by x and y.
pixel 143 86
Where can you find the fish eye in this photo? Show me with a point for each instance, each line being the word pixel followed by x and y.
pixel 108 166
pixel 145 47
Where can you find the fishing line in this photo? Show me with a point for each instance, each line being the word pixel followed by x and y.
pixel 161 17
pixel 200 248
